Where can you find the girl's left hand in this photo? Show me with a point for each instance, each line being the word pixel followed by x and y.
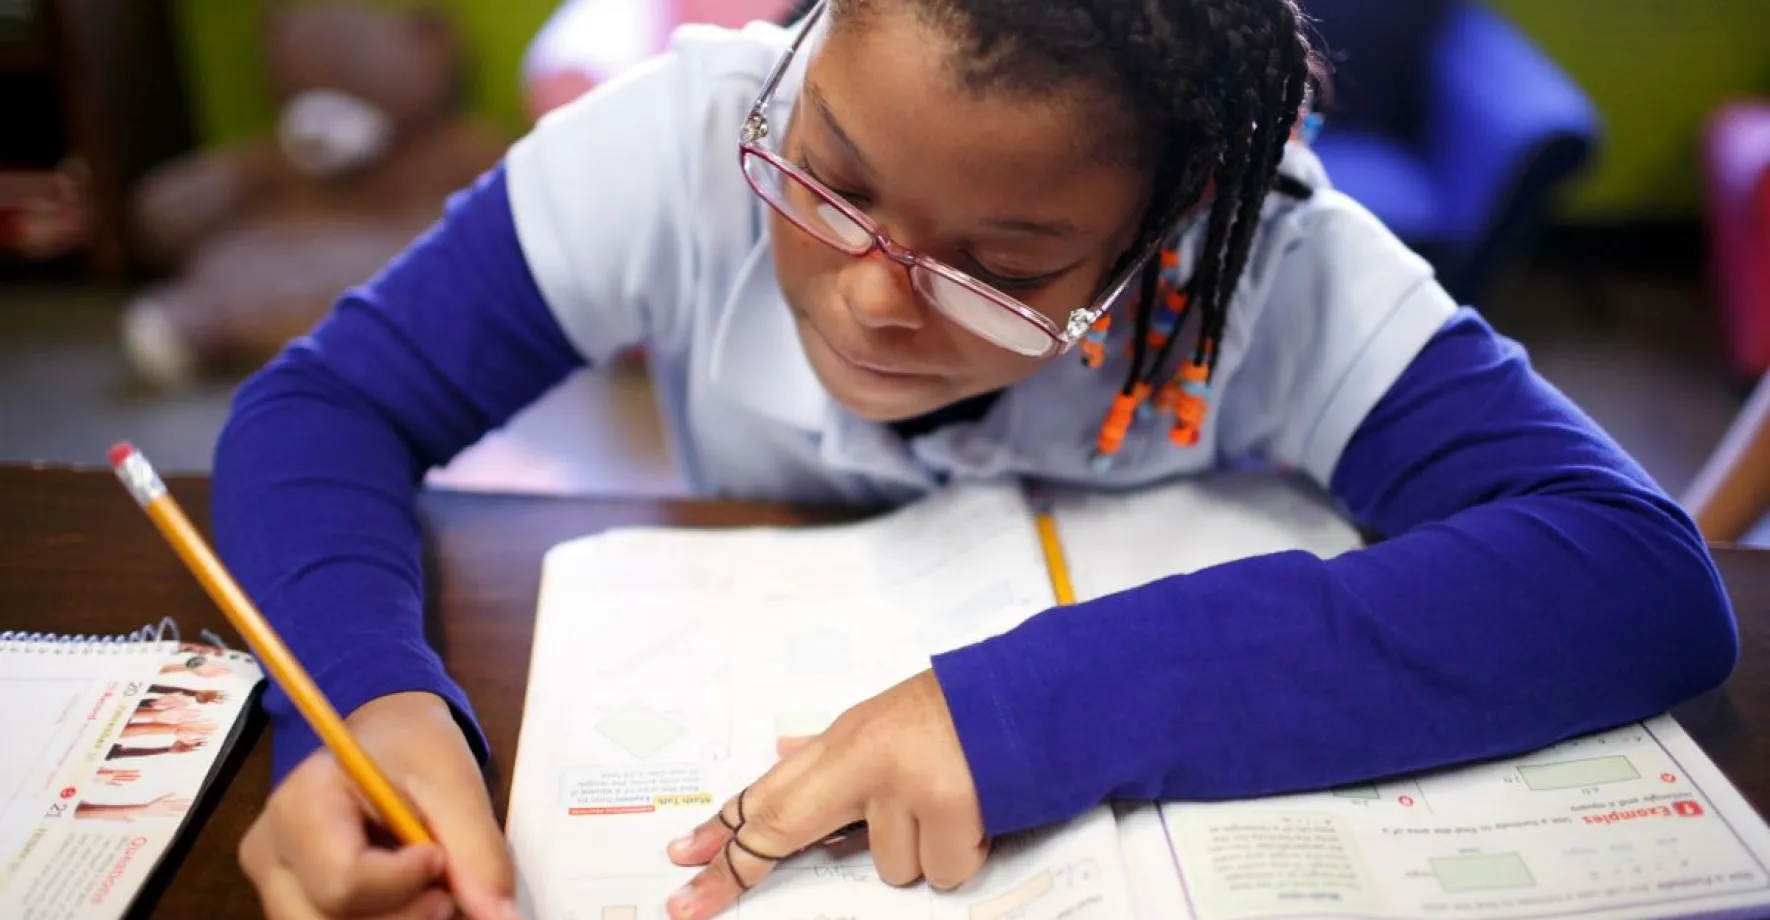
pixel 893 761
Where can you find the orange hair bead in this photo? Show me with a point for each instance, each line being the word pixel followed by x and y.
pixel 1189 419
pixel 1118 421
pixel 1192 404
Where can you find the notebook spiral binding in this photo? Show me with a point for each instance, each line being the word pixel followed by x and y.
pixel 63 643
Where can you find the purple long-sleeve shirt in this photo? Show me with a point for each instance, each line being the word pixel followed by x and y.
pixel 1533 584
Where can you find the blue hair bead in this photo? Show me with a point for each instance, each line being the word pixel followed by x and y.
pixel 1311 127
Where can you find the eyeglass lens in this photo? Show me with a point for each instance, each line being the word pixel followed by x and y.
pixel 958 300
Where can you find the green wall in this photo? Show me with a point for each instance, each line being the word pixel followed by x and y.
pixel 1655 68
pixel 226 82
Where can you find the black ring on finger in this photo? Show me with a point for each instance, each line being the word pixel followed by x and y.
pixel 731 867
pixel 739 824
pixel 748 849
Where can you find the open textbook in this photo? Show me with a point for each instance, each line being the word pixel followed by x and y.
pixel 667 662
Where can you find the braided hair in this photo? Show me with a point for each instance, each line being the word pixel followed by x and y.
pixel 1207 94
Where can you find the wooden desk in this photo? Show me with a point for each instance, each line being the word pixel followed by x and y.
pixel 77 556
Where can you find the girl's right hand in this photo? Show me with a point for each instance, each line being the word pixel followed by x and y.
pixel 310 854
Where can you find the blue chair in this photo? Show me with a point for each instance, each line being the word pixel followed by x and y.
pixel 1451 127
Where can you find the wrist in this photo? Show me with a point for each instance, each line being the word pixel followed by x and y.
pixel 387 723
pixel 404 704
pixel 392 689
pixel 408 729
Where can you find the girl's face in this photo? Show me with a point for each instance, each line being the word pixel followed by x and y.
pixel 1012 189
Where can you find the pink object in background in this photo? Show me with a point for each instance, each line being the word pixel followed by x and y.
pixel 44 214
pixel 1736 155
pixel 585 42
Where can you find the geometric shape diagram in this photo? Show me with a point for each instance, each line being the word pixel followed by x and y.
pixel 822 652
pixel 1357 792
pixel 624 912
pixel 1572 774
pixel 1010 902
pixel 640 730
pixel 1482 873
pixel 800 724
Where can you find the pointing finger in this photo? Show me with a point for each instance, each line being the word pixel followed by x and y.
pixel 733 865
pixel 796 805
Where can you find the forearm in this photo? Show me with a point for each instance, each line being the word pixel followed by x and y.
pixel 314 511
pixel 317 468
pixel 89 811
pixel 1538 586
pixel 1509 628
pixel 119 752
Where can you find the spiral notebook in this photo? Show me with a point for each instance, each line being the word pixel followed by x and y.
pixel 109 743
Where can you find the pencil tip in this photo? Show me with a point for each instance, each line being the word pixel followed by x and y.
pixel 120 452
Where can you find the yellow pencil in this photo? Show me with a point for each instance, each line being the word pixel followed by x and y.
pixel 1054 562
pixel 150 492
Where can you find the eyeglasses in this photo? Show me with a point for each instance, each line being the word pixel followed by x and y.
pixel 975 306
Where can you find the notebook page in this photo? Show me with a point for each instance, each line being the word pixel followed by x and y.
pixel 108 747
pixel 668 663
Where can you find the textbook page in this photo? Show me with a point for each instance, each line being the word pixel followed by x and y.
pixel 1631 823
pixel 667 663
pixel 1118 540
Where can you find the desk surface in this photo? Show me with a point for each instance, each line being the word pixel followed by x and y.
pixel 77 556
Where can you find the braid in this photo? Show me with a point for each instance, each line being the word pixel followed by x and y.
pixel 1149 289
pixel 1280 81
pixel 1252 91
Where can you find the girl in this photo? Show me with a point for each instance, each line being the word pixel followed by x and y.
pixel 926 240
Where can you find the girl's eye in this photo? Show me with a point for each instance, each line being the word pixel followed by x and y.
pixel 852 197
pixel 1010 283
pixel 1006 282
